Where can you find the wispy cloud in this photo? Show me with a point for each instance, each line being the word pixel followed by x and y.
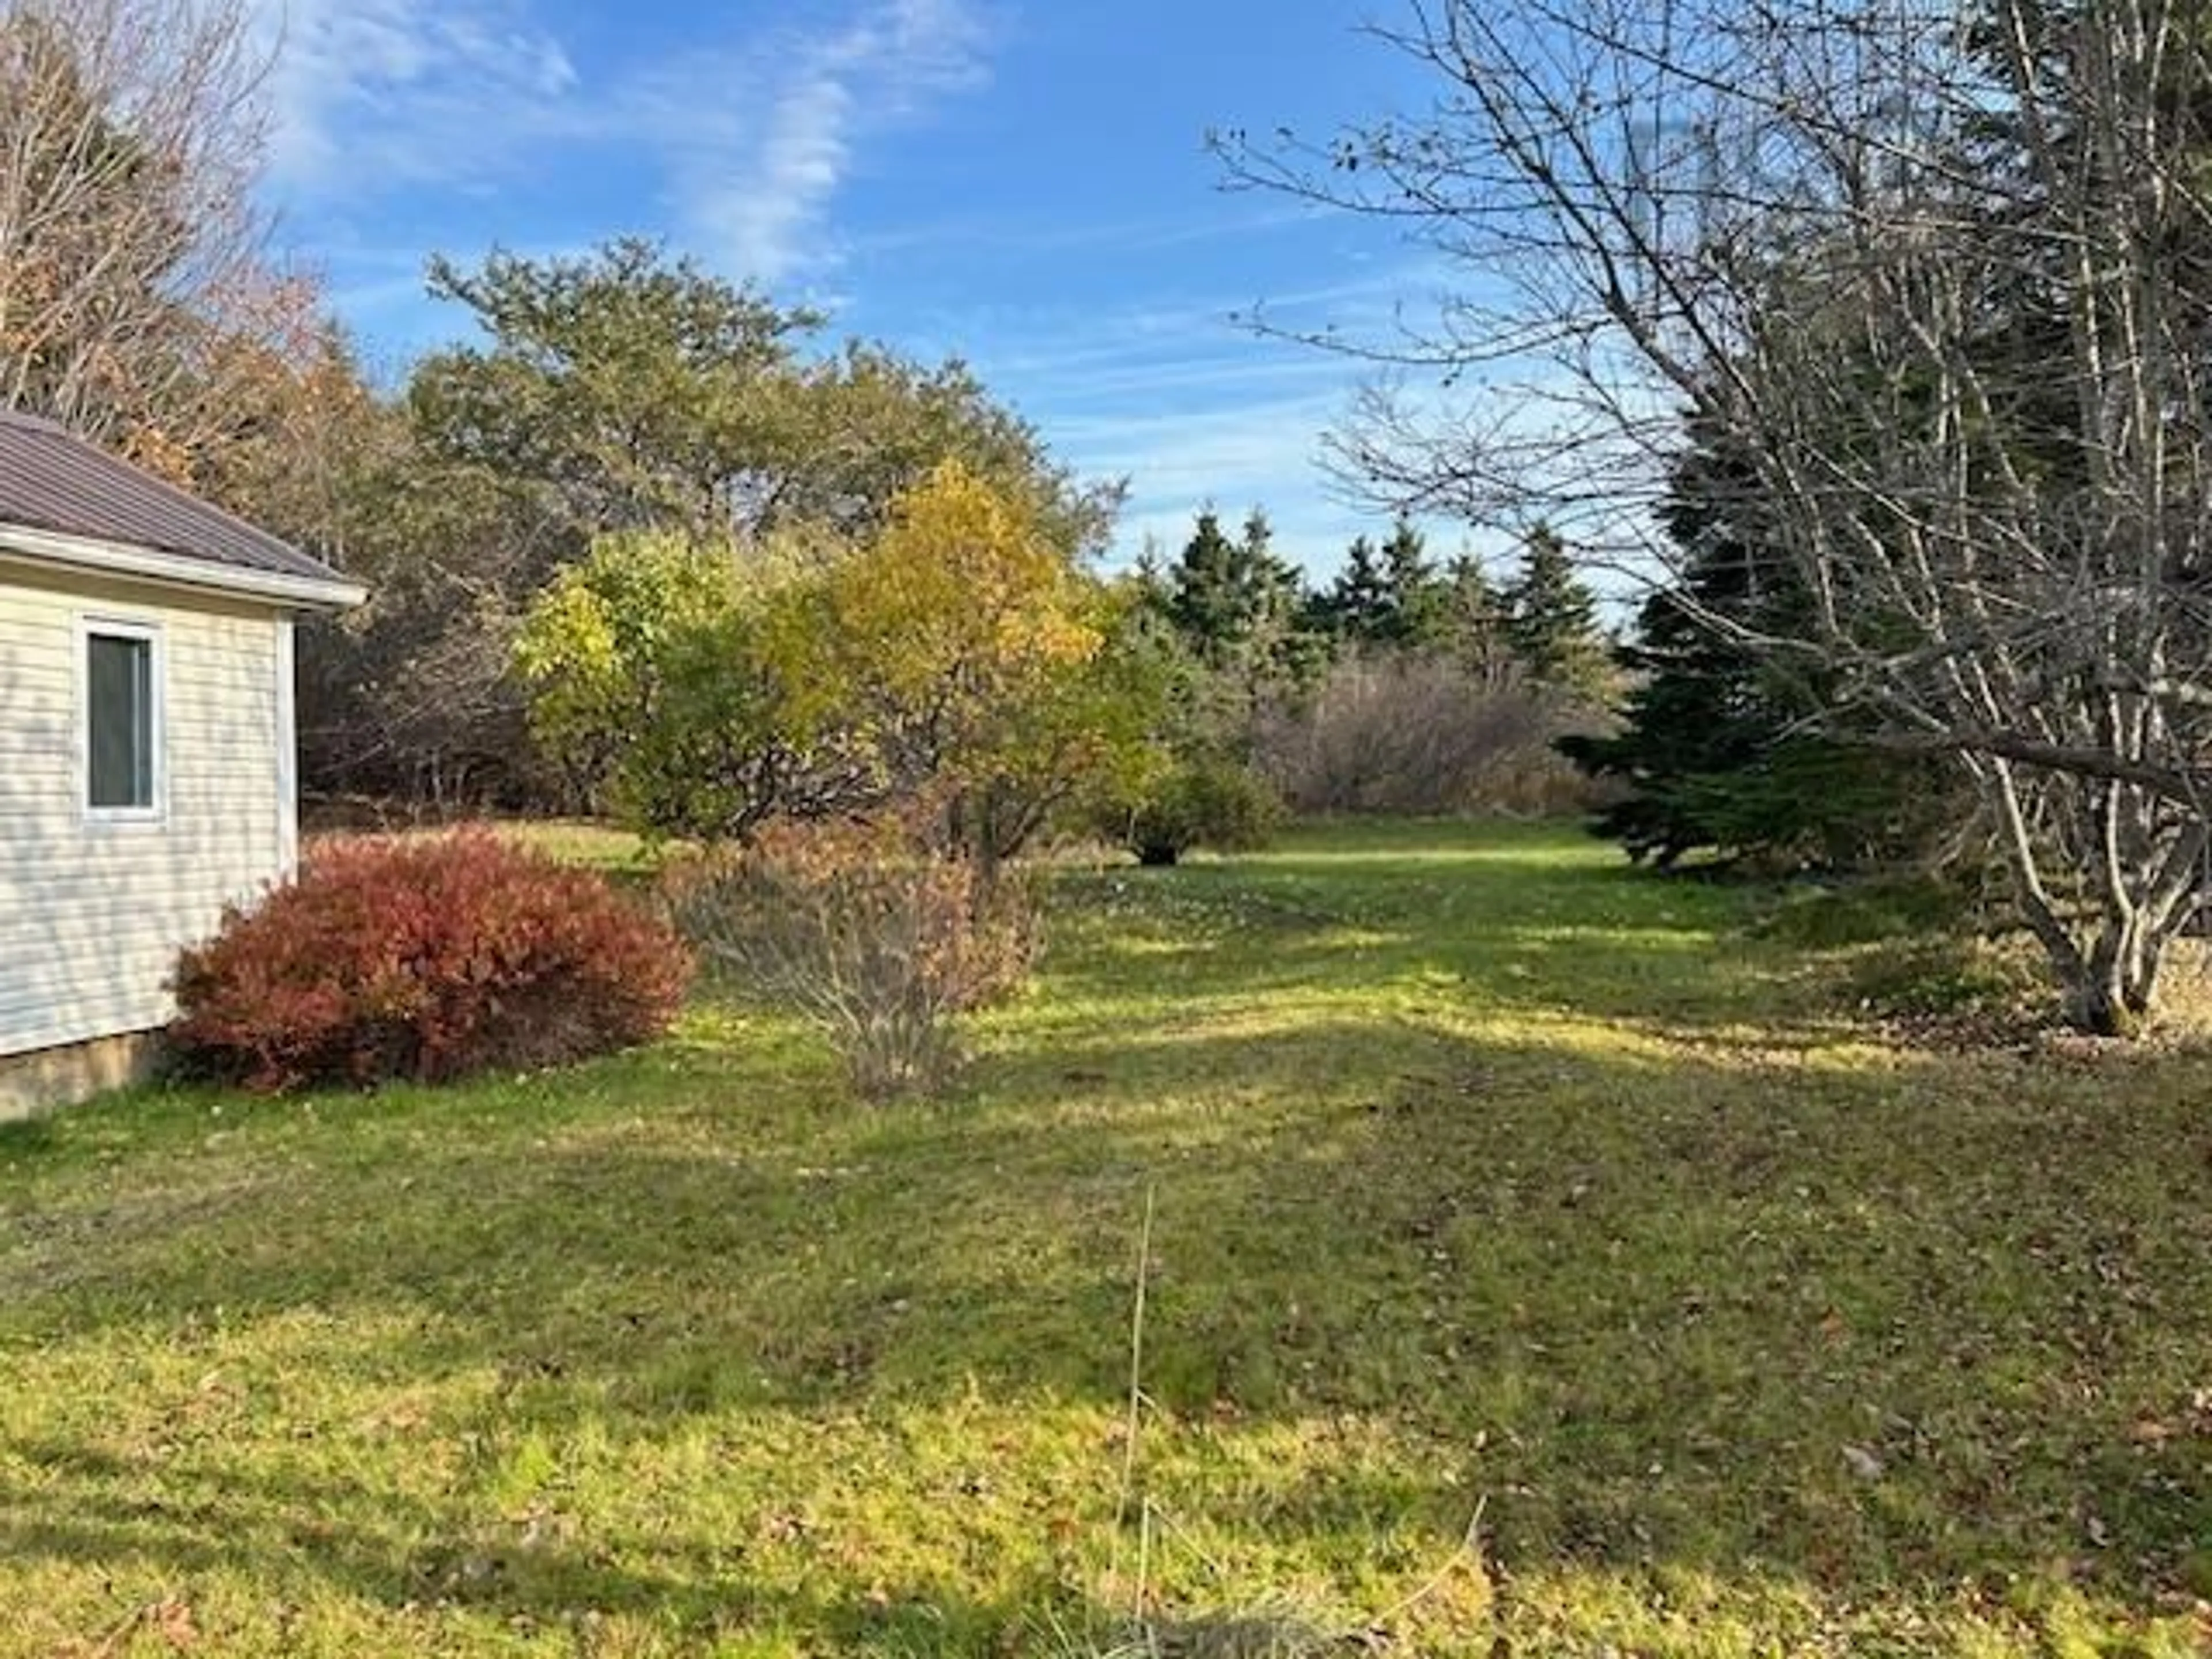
pixel 1192 412
pixel 1196 409
pixel 374 94
pixel 745 139
pixel 759 141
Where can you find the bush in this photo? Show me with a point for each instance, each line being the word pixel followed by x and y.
pixel 1399 732
pixel 879 942
pixel 1770 803
pixel 1199 803
pixel 424 958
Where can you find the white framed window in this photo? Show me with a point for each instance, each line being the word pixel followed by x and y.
pixel 119 671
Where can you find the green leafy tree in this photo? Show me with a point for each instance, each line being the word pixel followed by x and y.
pixel 622 393
pixel 862 426
pixel 638 390
pixel 668 678
pixel 956 658
pixel 641 392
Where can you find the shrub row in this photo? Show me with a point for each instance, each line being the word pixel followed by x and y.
pixel 431 958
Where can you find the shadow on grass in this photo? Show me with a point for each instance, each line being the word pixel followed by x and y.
pixel 298 1535
pixel 1496 930
pixel 1879 1332
pixel 1862 1332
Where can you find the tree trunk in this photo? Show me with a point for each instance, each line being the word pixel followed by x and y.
pixel 2113 988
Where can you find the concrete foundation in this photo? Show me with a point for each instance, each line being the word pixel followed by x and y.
pixel 50 1079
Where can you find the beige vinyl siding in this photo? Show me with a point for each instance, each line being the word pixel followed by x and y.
pixel 92 913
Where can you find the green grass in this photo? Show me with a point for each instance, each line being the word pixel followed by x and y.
pixel 1490 1180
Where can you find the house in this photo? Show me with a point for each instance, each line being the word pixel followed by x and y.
pixel 147 750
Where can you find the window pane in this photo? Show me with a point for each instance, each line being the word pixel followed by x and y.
pixel 120 683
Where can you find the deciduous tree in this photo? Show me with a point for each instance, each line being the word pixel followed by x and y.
pixel 1940 280
pixel 957 656
pixel 137 304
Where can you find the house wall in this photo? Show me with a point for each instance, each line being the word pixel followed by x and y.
pixel 92 915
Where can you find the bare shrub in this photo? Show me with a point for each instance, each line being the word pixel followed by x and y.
pixel 876 940
pixel 1405 733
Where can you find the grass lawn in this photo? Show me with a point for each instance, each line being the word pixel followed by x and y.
pixel 1489 1180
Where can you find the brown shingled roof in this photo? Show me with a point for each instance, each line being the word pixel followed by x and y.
pixel 53 480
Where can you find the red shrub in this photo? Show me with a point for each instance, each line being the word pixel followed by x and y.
pixel 424 958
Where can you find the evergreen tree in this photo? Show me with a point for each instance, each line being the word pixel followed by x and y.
pixel 1715 748
pixel 1473 622
pixel 1208 599
pixel 1281 650
pixel 1552 619
pixel 1413 593
pixel 1235 602
pixel 1358 601
pixel 1242 614
pixel 1149 584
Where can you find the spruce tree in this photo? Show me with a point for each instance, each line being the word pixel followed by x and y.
pixel 1413 593
pixel 1358 606
pixel 1207 598
pixel 1716 750
pixel 1552 619
pixel 1473 622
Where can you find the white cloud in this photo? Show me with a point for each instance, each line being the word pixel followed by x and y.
pixel 746 141
pixel 1195 409
pixel 759 141
pixel 371 94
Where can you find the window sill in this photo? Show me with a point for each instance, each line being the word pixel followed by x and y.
pixel 125 817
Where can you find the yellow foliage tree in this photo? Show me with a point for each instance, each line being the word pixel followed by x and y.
pixel 964 642
pixel 958 660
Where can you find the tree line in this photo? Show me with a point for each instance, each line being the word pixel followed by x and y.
pixel 1906 305
pixel 644 539
pixel 1877 335
pixel 1239 605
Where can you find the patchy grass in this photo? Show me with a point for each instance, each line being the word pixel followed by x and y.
pixel 1490 1180
pixel 595 846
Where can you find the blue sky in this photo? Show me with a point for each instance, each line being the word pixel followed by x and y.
pixel 1022 182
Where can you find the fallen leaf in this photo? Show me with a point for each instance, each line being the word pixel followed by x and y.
pixel 1864 1463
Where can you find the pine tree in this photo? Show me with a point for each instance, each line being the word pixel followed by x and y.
pixel 1280 649
pixel 1473 622
pixel 1358 606
pixel 1242 613
pixel 1552 619
pixel 1713 747
pixel 1148 579
pixel 1211 592
pixel 1414 595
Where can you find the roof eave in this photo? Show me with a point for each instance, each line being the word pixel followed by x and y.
pixel 90 554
